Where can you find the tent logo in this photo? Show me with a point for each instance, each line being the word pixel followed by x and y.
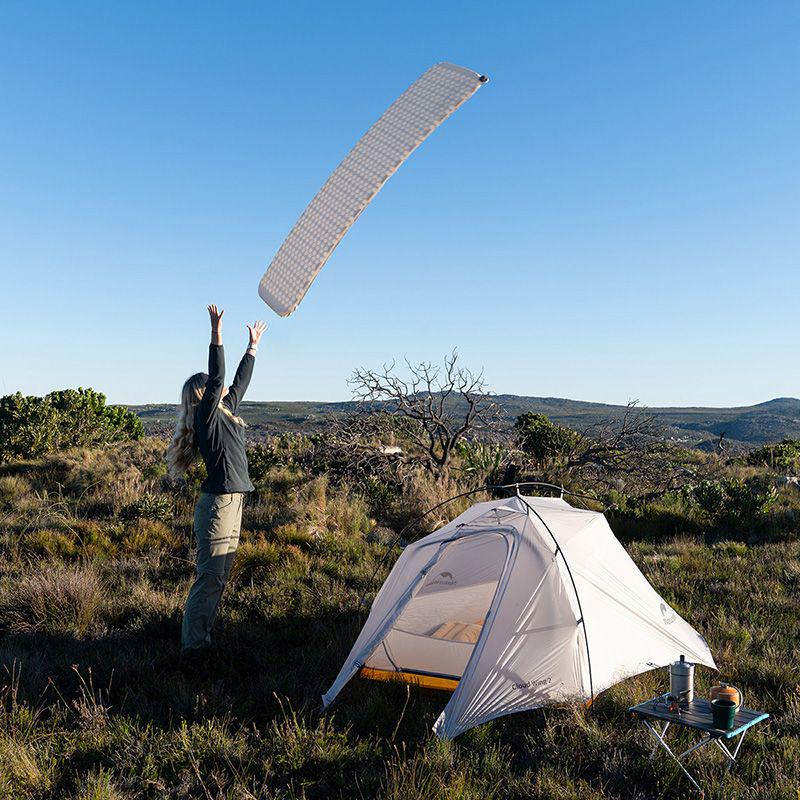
pixel 444 579
pixel 532 684
pixel 668 614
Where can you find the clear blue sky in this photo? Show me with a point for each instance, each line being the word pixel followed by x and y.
pixel 615 215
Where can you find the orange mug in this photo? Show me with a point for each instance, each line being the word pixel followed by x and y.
pixel 724 691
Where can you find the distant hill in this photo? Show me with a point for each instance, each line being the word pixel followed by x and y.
pixel 743 426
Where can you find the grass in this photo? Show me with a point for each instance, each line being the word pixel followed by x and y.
pixel 52 599
pixel 93 703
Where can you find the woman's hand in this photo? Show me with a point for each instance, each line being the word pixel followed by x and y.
pixel 256 331
pixel 216 324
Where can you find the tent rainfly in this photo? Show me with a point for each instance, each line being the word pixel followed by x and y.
pixel 515 604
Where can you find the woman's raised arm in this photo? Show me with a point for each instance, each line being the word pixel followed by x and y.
pixel 216 365
pixel 245 371
pixel 216 324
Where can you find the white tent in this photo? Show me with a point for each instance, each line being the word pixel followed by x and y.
pixel 515 604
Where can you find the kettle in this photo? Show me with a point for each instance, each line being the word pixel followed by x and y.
pixel 681 681
pixel 725 691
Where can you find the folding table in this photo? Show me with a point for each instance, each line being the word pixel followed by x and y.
pixel 697 717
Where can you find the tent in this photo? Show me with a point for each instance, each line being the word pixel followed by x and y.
pixel 515 604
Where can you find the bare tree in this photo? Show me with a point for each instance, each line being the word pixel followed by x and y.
pixel 628 449
pixel 632 448
pixel 361 446
pixel 440 404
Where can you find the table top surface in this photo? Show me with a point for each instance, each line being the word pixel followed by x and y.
pixel 698 716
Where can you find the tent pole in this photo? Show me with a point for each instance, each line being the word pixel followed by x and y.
pixel 582 620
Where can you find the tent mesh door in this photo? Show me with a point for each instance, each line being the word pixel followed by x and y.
pixel 438 629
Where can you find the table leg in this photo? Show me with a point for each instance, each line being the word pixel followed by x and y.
pixel 676 759
pixel 736 749
pixel 704 741
pixel 660 736
pixel 731 757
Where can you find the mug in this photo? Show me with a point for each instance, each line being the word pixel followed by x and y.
pixel 723 713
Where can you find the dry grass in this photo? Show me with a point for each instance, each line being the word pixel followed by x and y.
pixel 13 488
pixel 25 771
pixel 150 535
pixel 52 598
pixel 98 785
pixel 80 586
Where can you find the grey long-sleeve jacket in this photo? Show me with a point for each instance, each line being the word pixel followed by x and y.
pixel 220 439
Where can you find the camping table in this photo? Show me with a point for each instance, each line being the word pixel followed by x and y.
pixel 696 717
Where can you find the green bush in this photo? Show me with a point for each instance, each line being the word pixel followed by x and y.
pixel 284 450
pixel 31 426
pixel 543 439
pixel 734 502
pixel 51 543
pixel 149 506
pixel 479 460
pixel 154 472
pixel 783 456
pixel 74 537
pixel 256 561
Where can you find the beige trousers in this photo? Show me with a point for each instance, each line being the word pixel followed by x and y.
pixel 217 523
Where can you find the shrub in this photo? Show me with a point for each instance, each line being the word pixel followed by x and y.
pixel 783 456
pixel 149 506
pixel 53 600
pixel 82 469
pixel 480 461
pixel 281 480
pixel 195 476
pixel 31 427
pixel 734 502
pixel 50 542
pixel 93 538
pixel 420 495
pixel 72 538
pixel 12 489
pixel 320 509
pixel 255 561
pixel 382 497
pixel 148 535
pixel 154 472
pixel 543 439
pixel 285 450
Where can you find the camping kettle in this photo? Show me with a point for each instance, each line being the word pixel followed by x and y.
pixel 724 691
pixel 681 681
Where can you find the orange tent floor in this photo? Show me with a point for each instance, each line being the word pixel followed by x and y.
pixel 415 678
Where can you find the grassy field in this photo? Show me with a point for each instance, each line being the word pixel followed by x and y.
pixel 95 564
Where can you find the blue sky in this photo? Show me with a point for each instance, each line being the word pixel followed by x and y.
pixel 615 215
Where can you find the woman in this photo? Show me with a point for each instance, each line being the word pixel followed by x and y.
pixel 208 426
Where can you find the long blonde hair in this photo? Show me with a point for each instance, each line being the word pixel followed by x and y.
pixel 183 451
